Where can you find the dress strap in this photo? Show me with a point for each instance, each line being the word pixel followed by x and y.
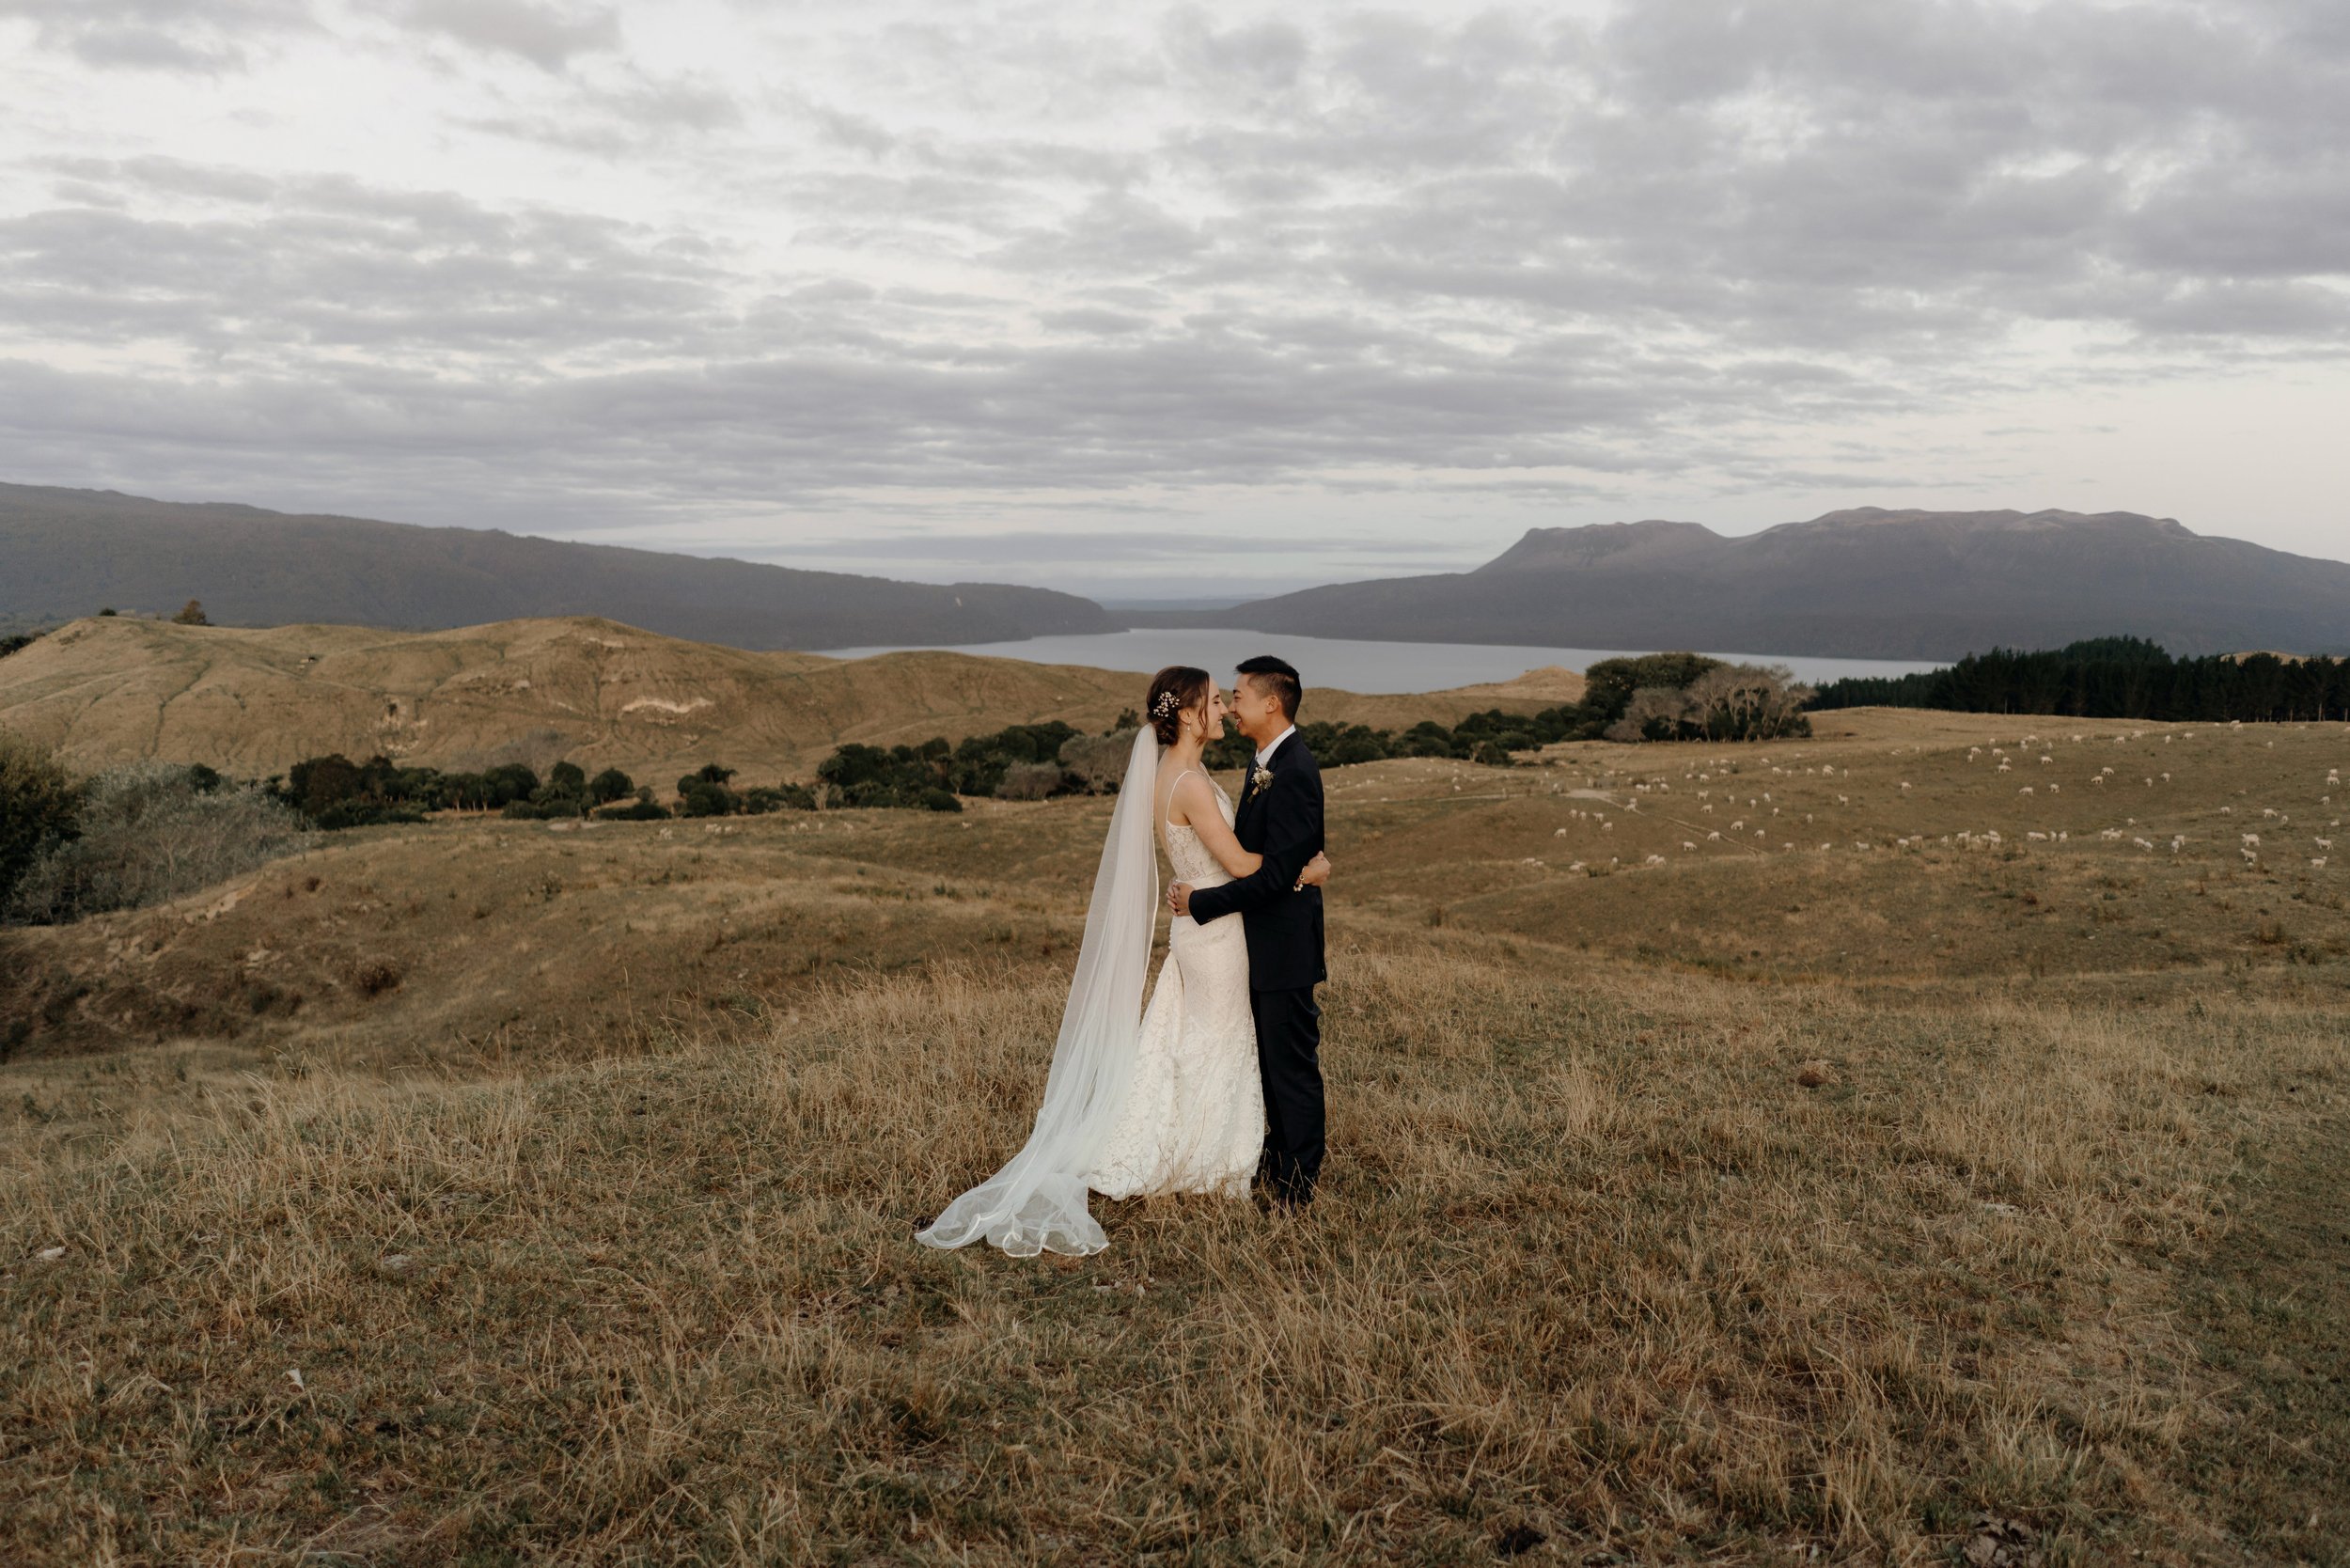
pixel 1171 795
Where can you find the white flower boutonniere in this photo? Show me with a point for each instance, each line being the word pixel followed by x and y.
pixel 1261 777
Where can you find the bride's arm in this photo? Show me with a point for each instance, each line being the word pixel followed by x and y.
pixel 1194 806
pixel 1194 802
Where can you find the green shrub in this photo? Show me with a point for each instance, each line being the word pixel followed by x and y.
pixel 761 799
pixel 38 804
pixel 153 832
pixel 644 808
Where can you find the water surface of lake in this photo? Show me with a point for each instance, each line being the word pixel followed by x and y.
pixel 1350 664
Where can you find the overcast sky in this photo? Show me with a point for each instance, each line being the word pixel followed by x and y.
pixel 1197 300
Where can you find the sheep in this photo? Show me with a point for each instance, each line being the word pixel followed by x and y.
pixel 2252 839
pixel 2318 861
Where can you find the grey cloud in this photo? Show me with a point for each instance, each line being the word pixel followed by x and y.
pixel 547 35
pixel 1367 254
pixel 160 35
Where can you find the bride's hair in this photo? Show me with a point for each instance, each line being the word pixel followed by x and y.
pixel 1173 690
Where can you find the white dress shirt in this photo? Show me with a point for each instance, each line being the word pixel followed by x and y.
pixel 1265 753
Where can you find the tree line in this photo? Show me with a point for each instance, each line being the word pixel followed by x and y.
pixel 2129 678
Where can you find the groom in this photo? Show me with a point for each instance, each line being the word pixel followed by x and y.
pixel 1280 817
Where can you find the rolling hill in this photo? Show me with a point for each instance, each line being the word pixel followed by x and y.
pixel 1866 583
pixel 67 553
pixel 253 701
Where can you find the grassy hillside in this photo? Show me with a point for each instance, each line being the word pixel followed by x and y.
pixel 253 701
pixel 1870 1190
pixel 66 553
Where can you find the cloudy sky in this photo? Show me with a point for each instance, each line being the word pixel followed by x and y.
pixel 1178 300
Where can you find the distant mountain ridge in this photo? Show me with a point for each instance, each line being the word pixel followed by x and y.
pixel 1864 583
pixel 67 553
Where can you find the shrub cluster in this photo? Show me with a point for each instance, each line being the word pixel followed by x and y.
pixel 708 792
pixel 2115 678
pixel 37 803
pixel 332 791
pixel 131 837
pixel 1021 762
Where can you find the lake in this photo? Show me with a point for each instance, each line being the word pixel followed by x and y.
pixel 1349 665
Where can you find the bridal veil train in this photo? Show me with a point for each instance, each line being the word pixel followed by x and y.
pixel 1037 1203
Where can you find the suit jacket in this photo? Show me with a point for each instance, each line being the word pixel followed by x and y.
pixel 1282 822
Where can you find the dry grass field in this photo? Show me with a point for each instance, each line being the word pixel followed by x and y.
pixel 253 701
pixel 495 1193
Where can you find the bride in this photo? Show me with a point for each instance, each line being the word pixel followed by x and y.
pixel 1142 1102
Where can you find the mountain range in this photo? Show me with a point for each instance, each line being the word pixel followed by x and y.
pixel 1865 583
pixel 68 552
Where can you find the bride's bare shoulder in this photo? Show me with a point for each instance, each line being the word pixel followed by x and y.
pixel 1184 789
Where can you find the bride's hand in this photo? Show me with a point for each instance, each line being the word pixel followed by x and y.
pixel 1317 871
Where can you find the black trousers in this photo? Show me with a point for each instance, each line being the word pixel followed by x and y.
pixel 1289 1042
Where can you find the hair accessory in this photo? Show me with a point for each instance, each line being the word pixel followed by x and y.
pixel 1167 704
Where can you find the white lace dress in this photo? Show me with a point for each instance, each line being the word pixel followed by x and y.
pixel 1193 1119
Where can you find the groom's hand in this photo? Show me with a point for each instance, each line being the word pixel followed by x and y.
pixel 1179 897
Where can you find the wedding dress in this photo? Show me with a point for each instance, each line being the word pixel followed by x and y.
pixel 1194 1119
pixel 1171 1102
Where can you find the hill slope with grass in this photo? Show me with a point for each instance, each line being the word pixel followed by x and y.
pixel 252 702
pixel 1946 1173
pixel 66 553
pixel 1867 583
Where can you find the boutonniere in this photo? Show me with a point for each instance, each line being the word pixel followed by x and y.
pixel 1259 778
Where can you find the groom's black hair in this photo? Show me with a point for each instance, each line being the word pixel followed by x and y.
pixel 1278 679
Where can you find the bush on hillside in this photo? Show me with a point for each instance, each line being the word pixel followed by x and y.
pixel 760 799
pixel 38 804
pixel 149 833
pixel 704 793
pixel 1098 763
pixel 644 808
pixel 1030 781
pixel 1724 702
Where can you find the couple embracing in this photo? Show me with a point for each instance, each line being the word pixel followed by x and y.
pixel 1219 1081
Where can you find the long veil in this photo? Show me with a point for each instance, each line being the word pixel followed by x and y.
pixel 1037 1203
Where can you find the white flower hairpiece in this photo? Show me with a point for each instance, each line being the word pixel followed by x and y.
pixel 1167 704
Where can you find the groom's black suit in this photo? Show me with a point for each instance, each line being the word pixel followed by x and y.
pixel 1282 822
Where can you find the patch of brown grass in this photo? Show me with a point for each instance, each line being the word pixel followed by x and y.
pixel 1597 1270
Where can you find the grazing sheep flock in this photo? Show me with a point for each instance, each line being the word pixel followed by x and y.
pixel 1936 795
